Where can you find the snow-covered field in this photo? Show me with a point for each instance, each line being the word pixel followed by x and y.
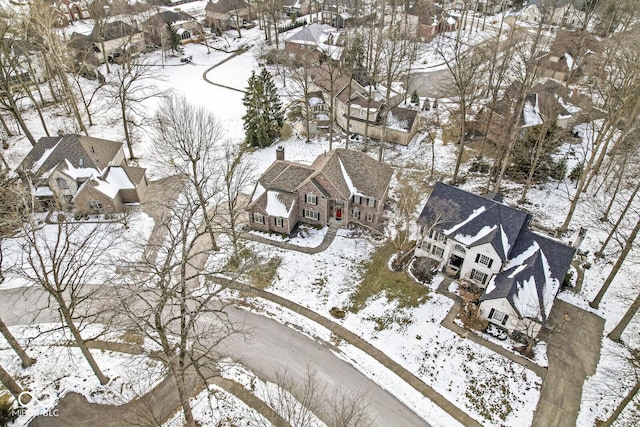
pixel 474 378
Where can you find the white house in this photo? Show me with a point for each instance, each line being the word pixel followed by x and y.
pixel 483 242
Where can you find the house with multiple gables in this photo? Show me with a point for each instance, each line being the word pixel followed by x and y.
pixel 547 102
pixel 82 173
pixel 568 53
pixel 358 113
pixel 186 26
pixel 483 242
pixel 228 14
pixel 308 43
pixel 340 187
pixel 118 38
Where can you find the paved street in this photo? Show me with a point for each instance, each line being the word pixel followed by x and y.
pixel 271 346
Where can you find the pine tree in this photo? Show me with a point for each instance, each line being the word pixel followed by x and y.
pixel 173 39
pixel 264 117
pixel 415 99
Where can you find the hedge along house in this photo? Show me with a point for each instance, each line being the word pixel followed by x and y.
pixel 340 187
pixel 487 244
pixel 64 171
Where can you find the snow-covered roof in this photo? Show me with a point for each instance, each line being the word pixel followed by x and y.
pixel 534 265
pixel 276 205
pixel 43 192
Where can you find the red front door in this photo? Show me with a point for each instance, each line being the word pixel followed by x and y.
pixel 338 213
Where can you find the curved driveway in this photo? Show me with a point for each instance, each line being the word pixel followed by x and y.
pixel 271 347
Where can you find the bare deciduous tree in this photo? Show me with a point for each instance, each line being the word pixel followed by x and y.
pixel 188 140
pixel 173 301
pixel 63 258
pixel 130 85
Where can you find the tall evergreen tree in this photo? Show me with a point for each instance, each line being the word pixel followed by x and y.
pixel 264 117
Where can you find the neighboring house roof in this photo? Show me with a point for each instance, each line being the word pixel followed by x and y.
pixel 171 17
pixel 575 43
pixel 114 179
pixel 276 203
pixel 285 176
pixel 79 152
pixel 349 173
pixel 113 31
pixel 354 173
pixel 401 119
pixel 313 34
pixel 473 220
pixel 226 6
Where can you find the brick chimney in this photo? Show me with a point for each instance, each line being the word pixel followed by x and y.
pixel 280 153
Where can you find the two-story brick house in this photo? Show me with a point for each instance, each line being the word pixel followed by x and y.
pixel 482 241
pixel 341 187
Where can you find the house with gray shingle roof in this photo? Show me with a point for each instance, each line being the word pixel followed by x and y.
pixel 483 242
pixel 340 187
pixel 84 173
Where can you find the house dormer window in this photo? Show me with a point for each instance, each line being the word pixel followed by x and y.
pixel 357 200
pixel 484 260
pixel 369 216
pixel 311 199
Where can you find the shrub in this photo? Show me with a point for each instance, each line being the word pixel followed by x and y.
pixel 285 131
pixel 337 313
pixel 423 269
pixel 470 316
pixel 6 408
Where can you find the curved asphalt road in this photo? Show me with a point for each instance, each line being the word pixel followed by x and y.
pixel 271 347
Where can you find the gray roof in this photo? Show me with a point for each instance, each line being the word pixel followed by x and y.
pixel 535 258
pixel 368 176
pixel 453 210
pixel 225 6
pixel 76 149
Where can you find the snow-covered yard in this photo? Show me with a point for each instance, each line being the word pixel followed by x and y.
pixel 488 386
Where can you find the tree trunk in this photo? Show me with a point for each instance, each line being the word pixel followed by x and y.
pixel 183 395
pixel 616 332
pixel 82 344
pixel 620 218
pixel 10 384
pixel 5 126
pixel 623 404
pixel 625 251
pixel 15 345
pixel 203 206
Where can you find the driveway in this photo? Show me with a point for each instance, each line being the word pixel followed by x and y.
pixel 573 351
pixel 272 346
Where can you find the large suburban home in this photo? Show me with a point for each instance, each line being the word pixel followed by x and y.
pixel 113 42
pixel 309 42
pixel 549 102
pixel 186 27
pixel 228 14
pixel 568 54
pixel 358 113
pixel 340 187
pixel 82 173
pixel 486 244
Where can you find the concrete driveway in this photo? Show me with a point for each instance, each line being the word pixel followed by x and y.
pixel 573 352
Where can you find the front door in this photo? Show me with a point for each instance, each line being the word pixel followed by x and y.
pixel 338 213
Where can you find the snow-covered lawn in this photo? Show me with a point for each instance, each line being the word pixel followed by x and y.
pixel 60 369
